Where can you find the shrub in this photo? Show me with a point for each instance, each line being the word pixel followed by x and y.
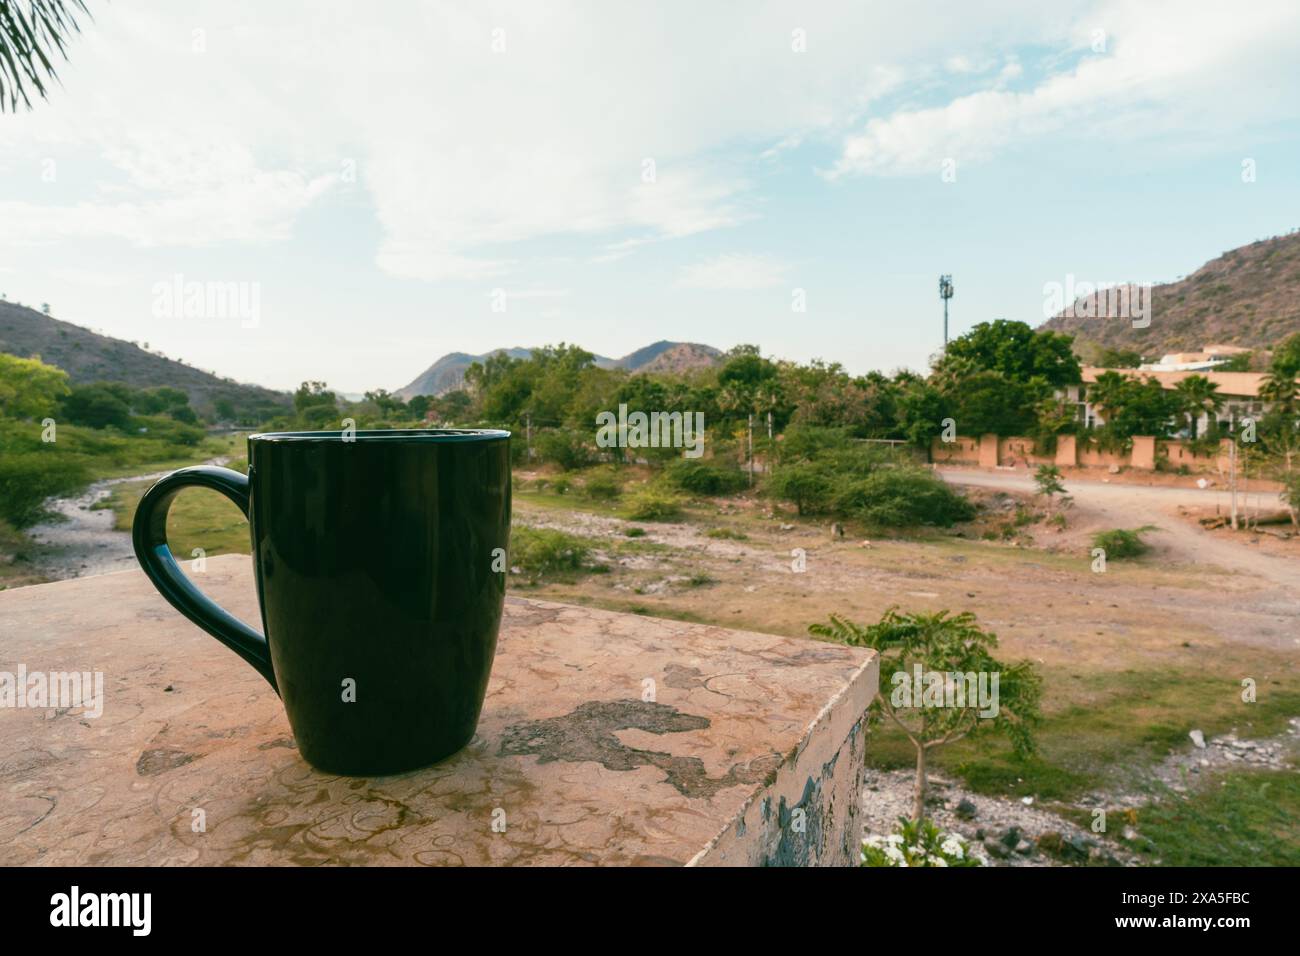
pixel 918 844
pixel 537 552
pixel 1122 543
pixel 565 448
pixel 28 478
pixel 808 486
pixel 635 533
pixel 602 487
pixel 902 497
pixel 726 533
pixel 652 505
pixel 704 478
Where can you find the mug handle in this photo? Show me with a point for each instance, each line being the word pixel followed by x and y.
pixel 149 539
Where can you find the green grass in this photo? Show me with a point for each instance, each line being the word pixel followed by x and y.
pixel 199 518
pixel 1114 721
pixel 1237 819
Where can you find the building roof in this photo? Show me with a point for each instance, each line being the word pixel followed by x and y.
pixel 1239 384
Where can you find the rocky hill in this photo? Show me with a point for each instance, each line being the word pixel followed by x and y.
pixel 448 372
pixel 1248 296
pixel 90 357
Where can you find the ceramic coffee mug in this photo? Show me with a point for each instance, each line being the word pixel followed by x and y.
pixel 380 566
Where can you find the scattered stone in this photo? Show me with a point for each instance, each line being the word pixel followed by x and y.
pixel 1198 738
pixel 1027 801
pixel 965 810
pixel 996 849
pixel 1025 848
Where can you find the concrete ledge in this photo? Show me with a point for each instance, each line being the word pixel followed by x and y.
pixel 605 739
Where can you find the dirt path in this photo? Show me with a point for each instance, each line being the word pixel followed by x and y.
pixel 1132 506
pixel 82 540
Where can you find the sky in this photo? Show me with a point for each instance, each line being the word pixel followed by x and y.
pixel 355 189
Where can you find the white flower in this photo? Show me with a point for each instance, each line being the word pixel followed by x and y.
pixel 894 838
pixel 951 846
pixel 936 860
pixel 894 854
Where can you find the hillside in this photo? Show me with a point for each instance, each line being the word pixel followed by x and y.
pixel 1248 296
pixel 448 372
pixel 90 357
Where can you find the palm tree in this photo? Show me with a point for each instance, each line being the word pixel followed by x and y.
pixel 31 33
pixel 1280 386
pixel 1198 395
pixel 1108 392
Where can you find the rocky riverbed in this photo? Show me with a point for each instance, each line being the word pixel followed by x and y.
pixel 79 538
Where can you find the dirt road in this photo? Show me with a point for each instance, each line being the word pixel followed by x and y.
pixel 1115 505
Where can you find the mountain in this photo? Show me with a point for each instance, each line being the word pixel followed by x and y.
pixel 448 373
pixel 90 357
pixel 1249 297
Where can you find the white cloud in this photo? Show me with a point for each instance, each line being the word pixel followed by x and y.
pixel 734 272
pixel 463 155
pixel 1167 65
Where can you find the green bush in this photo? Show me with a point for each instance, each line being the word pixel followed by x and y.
pixel 902 497
pixel 28 478
pixel 652 505
pixel 807 485
pixel 697 477
pixel 565 448
pixel 1122 543
pixel 539 552
pixel 602 487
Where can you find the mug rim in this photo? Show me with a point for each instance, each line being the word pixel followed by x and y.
pixel 417 435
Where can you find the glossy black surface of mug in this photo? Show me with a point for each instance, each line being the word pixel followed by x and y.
pixel 380 567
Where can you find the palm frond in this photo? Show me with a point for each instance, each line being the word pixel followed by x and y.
pixel 32 33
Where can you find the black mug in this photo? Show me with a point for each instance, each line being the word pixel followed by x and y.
pixel 380 559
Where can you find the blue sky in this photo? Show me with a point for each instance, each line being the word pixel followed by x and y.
pixel 377 174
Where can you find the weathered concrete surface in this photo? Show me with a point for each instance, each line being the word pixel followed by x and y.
pixel 750 753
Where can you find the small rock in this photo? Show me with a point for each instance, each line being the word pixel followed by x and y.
pixel 1198 738
pixel 787 527
pixel 1025 848
pixel 1027 801
pixel 995 848
pixel 1010 838
pixel 965 810
pixel 1128 833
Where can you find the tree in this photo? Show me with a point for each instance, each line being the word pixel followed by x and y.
pixel 1132 406
pixel 1017 351
pixel 29 388
pixel 97 406
pixel 389 405
pixel 31 33
pixel 1048 480
pixel 315 404
pixel 940 651
pixel 1119 358
pixel 1197 395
